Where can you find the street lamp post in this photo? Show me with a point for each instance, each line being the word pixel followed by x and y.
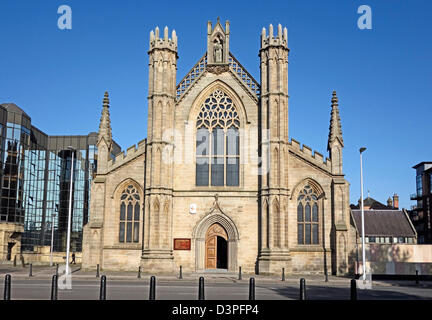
pixel 52 239
pixel 362 215
pixel 70 211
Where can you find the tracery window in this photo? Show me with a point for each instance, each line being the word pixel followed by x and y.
pixel 307 217
pixel 217 142
pixel 129 215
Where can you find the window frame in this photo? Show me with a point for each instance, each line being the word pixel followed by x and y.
pixel 126 221
pixel 308 197
pixel 225 125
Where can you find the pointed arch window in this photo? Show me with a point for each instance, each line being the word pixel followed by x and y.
pixel 218 142
pixel 307 217
pixel 129 215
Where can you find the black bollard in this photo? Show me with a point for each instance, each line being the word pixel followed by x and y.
pixel 201 295
pixel 31 270
pixel 417 277
pixel 54 288
pixel 283 274
pixel 353 289
pixel 139 272
pixel 7 287
pixel 152 293
pixel 252 289
pixel 302 289
pixel 240 275
pixel 97 271
pixel 181 273
pixel 56 270
pixel 102 295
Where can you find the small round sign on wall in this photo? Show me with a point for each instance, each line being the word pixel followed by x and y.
pixel 192 208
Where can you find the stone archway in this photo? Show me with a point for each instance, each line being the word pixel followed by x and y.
pixel 204 230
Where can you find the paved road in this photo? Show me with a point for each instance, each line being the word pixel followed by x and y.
pixel 223 286
pixel 87 289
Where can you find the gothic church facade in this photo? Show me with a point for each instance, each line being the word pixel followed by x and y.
pixel 217 184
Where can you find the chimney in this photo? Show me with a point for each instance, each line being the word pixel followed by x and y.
pixel 396 201
pixel 390 202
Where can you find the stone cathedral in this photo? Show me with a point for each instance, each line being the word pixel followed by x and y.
pixel 217 183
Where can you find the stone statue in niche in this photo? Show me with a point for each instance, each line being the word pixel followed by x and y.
pixel 217 51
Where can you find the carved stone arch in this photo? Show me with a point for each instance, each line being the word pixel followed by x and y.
pixel 342 255
pixel 123 184
pixel 276 203
pixel 218 35
pixel 166 207
pixel 164 220
pixel 207 91
pixel 264 223
pixel 285 221
pixel 156 204
pixel 167 109
pixel 342 208
pixel 265 202
pixel 157 114
pixel 315 185
pixel 276 223
pixel 276 171
pixel 155 225
pixel 199 237
pixel 159 58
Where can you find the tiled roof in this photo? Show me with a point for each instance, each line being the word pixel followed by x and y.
pixel 392 223
pixel 371 203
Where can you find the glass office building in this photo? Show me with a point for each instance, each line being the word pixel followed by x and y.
pixel 35 173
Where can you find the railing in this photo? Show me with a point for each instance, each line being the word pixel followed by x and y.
pixel 415 196
pixel 192 76
pixel 416 207
pixel 200 67
pixel 244 76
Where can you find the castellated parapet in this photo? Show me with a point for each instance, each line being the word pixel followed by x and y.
pixel 306 153
pixel 131 152
pixel 281 39
pixel 156 42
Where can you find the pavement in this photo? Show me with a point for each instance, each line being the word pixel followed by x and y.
pixel 46 272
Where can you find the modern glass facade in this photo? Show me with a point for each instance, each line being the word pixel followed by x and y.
pixel 35 178
pixel 421 215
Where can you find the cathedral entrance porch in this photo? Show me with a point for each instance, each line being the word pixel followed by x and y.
pixel 216 242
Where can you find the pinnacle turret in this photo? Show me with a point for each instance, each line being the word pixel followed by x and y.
pixel 280 39
pixel 335 123
pixel 158 42
pixel 105 123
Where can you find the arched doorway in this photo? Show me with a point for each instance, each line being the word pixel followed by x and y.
pixel 202 230
pixel 216 247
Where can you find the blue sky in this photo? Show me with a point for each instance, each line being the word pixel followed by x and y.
pixel 382 76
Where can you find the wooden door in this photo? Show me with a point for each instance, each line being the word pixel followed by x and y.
pixel 215 230
pixel 211 252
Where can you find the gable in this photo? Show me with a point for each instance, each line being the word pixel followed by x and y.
pixel 201 82
pixel 239 73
